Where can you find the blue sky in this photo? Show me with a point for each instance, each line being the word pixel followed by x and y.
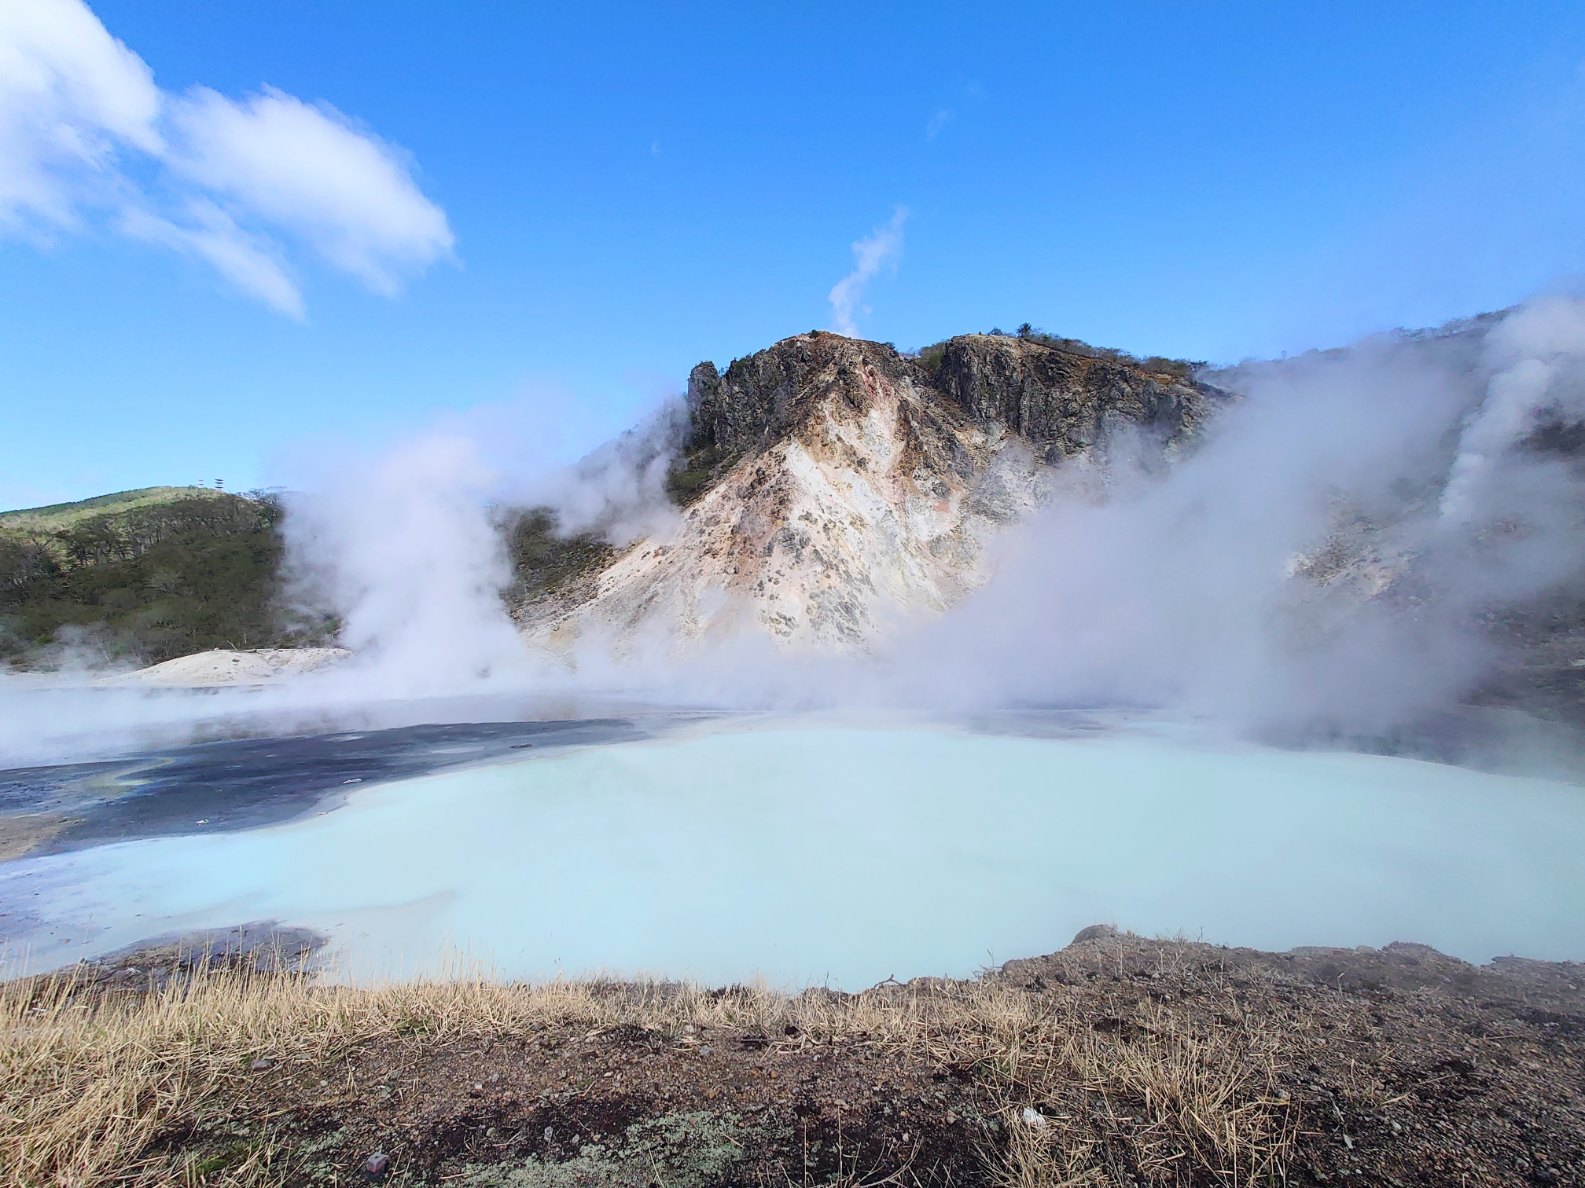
pixel 301 222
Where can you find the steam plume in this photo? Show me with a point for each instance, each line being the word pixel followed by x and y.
pixel 880 249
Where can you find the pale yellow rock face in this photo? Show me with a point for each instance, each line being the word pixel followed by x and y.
pixel 876 509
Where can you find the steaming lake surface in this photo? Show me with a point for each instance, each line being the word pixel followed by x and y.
pixel 806 852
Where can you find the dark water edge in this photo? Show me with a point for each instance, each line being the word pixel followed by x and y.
pixel 1497 740
pixel 247 783
pixel 1493 739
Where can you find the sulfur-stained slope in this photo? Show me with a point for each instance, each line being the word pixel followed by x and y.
pixel 853 489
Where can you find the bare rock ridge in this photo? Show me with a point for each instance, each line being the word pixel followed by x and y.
pixel 836 488
pixel 1060 401
pixel 1065 402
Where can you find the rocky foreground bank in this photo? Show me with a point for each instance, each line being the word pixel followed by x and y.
pixel 1118 1060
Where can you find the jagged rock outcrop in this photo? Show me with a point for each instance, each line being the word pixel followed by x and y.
pixel 1061 401
pixel 849 489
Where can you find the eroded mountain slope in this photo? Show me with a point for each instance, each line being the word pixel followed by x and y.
pixel 841 489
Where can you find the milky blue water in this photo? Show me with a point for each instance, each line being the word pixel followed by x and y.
pixel 802 852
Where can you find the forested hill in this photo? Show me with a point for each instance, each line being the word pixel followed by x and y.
pixel 144 575
pixel 161 572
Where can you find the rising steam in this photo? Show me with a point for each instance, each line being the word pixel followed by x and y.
pixel 1327 559
pixel 403 550
pixel 1336 556
pixel 880 249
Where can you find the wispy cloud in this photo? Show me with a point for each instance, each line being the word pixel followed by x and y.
pixel 72 99
pixel 939 120
pixel 307 170
pixel 239 181
pixel 249 262
pixel 880 249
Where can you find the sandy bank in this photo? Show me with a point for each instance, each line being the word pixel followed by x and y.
pixel 223 666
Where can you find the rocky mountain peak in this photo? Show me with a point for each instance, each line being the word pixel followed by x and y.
pixel 834 488
pixel 771 392
pixel 1062 401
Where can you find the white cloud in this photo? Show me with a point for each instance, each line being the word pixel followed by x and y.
pixel 307 170
pixel 79 111
pixel 71 97
pixel 249 262
pixel 880 249
pixel 941 118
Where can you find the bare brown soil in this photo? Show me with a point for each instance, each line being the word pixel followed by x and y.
pixel 1118 1060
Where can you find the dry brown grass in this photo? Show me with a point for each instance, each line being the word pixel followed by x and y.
pixel 96 1089
pixel 1165 1106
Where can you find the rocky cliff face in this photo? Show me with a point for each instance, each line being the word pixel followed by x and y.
pixel 1062 402
pixel 844 489
pixel 1056 400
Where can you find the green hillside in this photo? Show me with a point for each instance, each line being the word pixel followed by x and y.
pixel 160 572
pixel 63 515
pixel 146 574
